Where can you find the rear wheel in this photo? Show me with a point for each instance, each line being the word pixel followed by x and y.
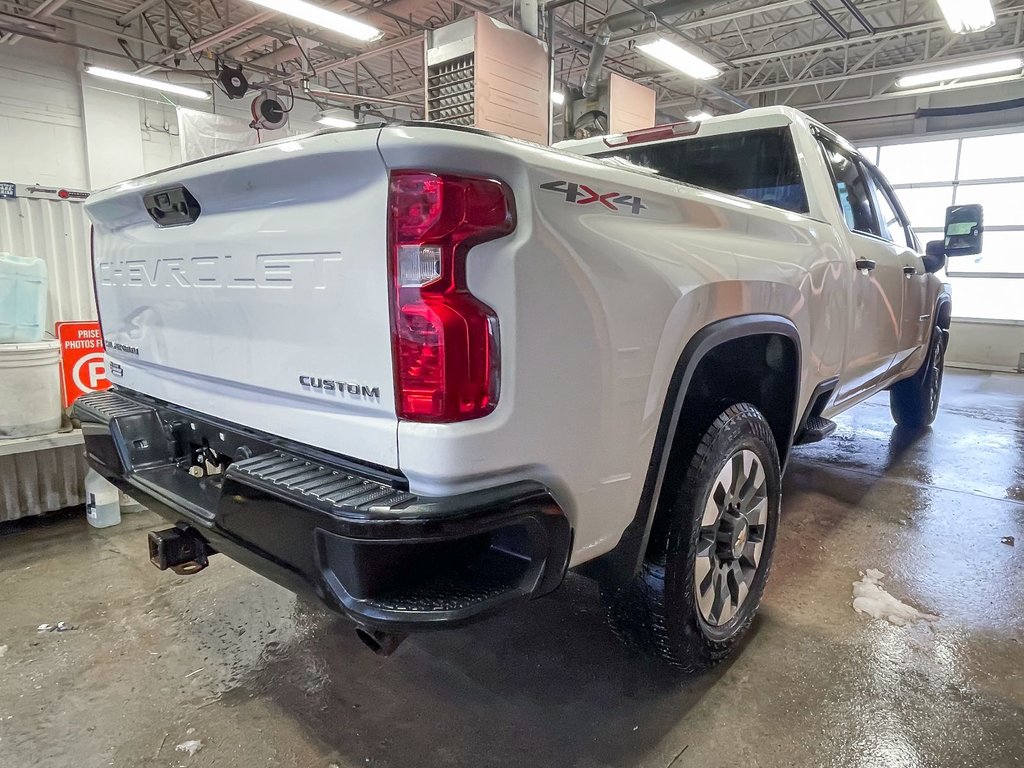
pixel 914 402
pixel 700 586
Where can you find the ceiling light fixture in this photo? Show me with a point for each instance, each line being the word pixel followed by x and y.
pixel 146 82
pixel 321 17
pixel 679 59
pixel 697 116
pixel 957 73
pixel 336 122
pixel 965 16
pixel 557 97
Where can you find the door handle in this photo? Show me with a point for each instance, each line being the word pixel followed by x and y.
pixel 910 271
pixel 865 264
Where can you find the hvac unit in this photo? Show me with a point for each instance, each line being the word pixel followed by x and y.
pixel 620 105
pixel 483 73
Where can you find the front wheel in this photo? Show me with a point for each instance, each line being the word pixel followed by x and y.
pixel 914 402
pixel 700 586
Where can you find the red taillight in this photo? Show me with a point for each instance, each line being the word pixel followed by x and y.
pixel 444 340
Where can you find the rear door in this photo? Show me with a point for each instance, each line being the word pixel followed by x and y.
pixel 253 287
pixel 874 330
pixel 916 324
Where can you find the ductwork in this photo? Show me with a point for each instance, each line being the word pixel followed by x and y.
pixel 620 21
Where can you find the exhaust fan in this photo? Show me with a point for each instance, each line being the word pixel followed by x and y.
pixel 234 81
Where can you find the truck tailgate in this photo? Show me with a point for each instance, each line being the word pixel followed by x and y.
pixel 270 309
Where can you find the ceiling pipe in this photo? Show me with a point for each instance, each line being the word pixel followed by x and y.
pixel 829 19
pixel 351 61
pixel 328 94
pixel 203 43
pixel 620 21
pixel 859 16
pixel 44 11
pixel 14 25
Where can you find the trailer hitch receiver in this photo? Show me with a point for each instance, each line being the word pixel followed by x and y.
pixel 181 549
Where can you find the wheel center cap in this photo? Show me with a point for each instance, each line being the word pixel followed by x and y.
pixel 739 540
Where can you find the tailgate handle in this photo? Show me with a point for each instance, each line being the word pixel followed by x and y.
pixel 172 207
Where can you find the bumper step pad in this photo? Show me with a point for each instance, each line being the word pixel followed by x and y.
pixel 320 483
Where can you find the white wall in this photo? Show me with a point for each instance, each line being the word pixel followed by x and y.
pixel 113 137
pixel 986 344
pixel 41 127
pixel 61 127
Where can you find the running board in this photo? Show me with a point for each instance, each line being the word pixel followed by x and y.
pixel 814 430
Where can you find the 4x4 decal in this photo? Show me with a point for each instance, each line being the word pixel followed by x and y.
pixel 581 194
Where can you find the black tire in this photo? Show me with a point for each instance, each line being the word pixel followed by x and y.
pixel 914 402
pixel 660 612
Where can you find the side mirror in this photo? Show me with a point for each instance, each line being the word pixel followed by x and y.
pixel 934 256
pixel 964 230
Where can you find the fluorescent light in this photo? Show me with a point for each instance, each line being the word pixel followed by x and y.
pixel 322 18
pixel 696 117
pixel 336 122
pixel 956 73
pixel 557 97
pixel 965 16
pixel 671 54
pixel 147 82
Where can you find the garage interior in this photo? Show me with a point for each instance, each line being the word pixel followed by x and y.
pixel 104 660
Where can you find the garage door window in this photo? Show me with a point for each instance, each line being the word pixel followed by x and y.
pixel 929 175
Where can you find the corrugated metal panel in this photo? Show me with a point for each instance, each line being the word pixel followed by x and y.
pixel 41 481
pixel 56 231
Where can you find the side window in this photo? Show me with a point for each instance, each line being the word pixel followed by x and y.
pixel 851 190
pixel 893 226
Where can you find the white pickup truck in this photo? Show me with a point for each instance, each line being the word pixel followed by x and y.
pixel 420 372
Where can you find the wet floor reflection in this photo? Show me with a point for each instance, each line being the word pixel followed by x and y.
pixel 265 679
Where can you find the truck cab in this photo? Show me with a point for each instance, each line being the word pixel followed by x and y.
pixel 779 157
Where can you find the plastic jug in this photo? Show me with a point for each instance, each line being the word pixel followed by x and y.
pixel 23 285
pixel 102 501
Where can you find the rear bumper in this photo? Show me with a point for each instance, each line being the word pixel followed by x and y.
pixel 351 535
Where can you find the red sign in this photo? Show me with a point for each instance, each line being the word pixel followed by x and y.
pixel 82 366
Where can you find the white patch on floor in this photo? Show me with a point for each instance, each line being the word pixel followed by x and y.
pixel 191 746
pixel 870 598
pixel 3 651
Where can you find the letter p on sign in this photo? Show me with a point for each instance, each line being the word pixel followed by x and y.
pixel 83 368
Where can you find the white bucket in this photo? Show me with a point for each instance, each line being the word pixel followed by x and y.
pixel 29 389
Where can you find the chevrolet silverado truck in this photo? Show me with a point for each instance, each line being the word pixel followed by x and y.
pixel 420 372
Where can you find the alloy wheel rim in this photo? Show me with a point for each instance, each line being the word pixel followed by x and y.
pixel 936 378
pixel 731 538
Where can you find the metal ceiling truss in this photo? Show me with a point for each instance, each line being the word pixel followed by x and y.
pixel 796 52
pixel 793 52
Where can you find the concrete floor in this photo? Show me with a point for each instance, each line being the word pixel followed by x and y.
pixel 266 680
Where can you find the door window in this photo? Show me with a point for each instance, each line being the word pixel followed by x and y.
pixel 891 222
pixel 851 190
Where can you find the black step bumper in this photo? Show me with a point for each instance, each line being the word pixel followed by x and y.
pixel 352 535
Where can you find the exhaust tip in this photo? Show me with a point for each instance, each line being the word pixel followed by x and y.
pixel 381 643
